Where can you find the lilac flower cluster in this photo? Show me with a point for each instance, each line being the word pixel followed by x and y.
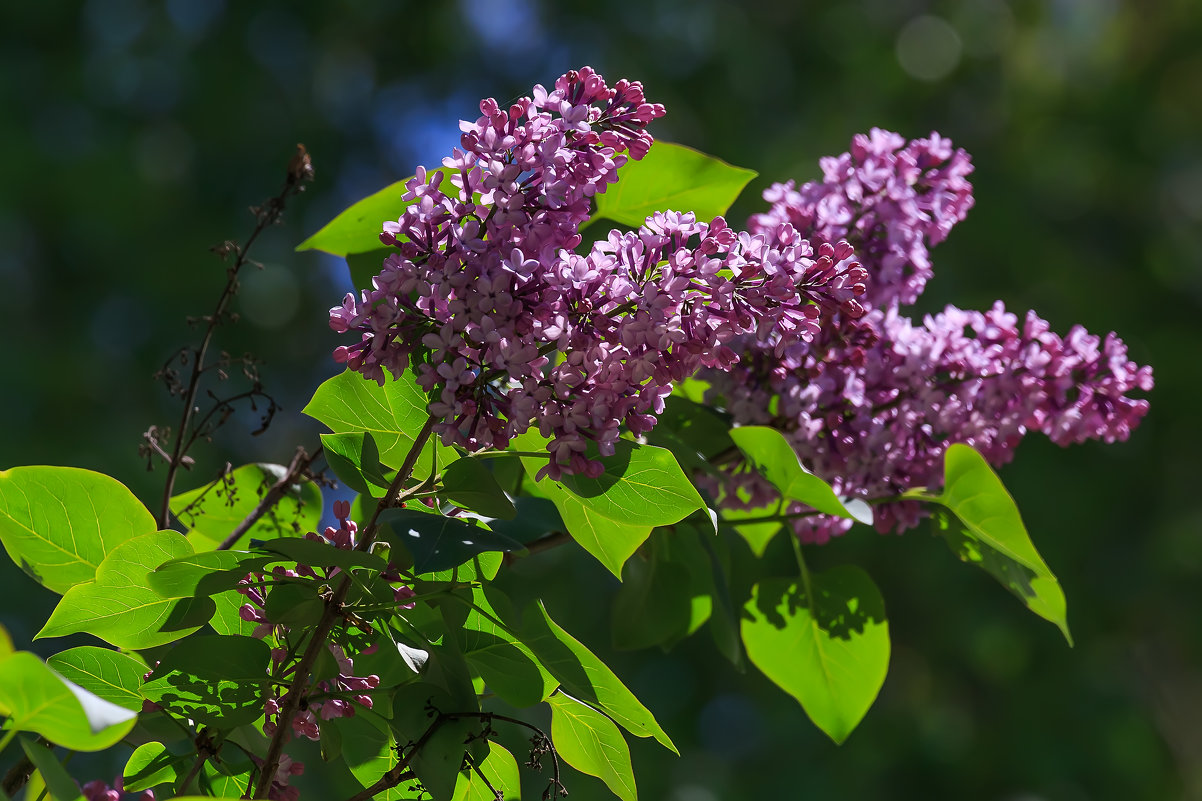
pixel 892 199
pixel 485 287
pixel 872 403
pixel 306 722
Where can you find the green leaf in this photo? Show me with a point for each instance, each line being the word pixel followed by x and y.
pixel 393 414
pixel 60 784
pixel 357 229
pixel 441 543
pixel 591 743
pixel 6 643
pixel 58 523
pixel 611 516
pixel 773 456
pixel 653 605
pixel 321 554
pixel 150 765
pixel 226 779
pixel 535 519
pixel 724 624
pixel 111 675
pixel 437 763
pixel 206 573
pixel 296 605
pixel 501 770
pixel 757 535
pixel 35 699
pixel 367 744
pixel 213 511
pixel 673 177
pixel 584 675
pixel 227 619
pixel 121 608
pixel 502 660
pixel 216 680
pixel 470 484
pixel 994 537
pixel 829 651
pixel 355 459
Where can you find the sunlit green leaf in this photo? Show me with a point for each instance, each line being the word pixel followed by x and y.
pixel 470 484
pixel 151 764
pixel 672 177
pixel 60 784
pixel 773 456
pixel 355 460
pixel 211 512
pixel 501 771
pixel 357 229
pixel 592 744
pixel 829 651
pixel 393 414
pixel 584 675
pixel 367 744
pixel 121 608
pixel 109 674
pixel 993 536
pixel 505 663
pixel 611 516
pixel 58 523
pixel 217 680
pixel 37 700
pixel 205 573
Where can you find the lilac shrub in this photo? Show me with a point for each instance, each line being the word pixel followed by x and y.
pixel 485 289
pixel 872 404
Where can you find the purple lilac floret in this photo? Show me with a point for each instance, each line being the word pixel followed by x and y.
pixel 871 404
pixel 485 288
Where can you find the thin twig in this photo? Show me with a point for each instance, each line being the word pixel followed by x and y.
pixel 300 170
pixel 396 774
pixel 296 471
pixel 488 717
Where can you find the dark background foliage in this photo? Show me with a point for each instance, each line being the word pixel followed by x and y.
pixel 134 135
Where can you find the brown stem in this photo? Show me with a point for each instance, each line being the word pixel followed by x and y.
pixel 296 470
pixel 195 770
pixel 552 540
pixel 292 699
pixel 19 773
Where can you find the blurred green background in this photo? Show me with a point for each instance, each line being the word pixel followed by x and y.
pixel 135 134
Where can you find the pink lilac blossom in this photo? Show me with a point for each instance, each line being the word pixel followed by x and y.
pixel 306 722
pixel 872 403
pixel 485 287
pixel 892 199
